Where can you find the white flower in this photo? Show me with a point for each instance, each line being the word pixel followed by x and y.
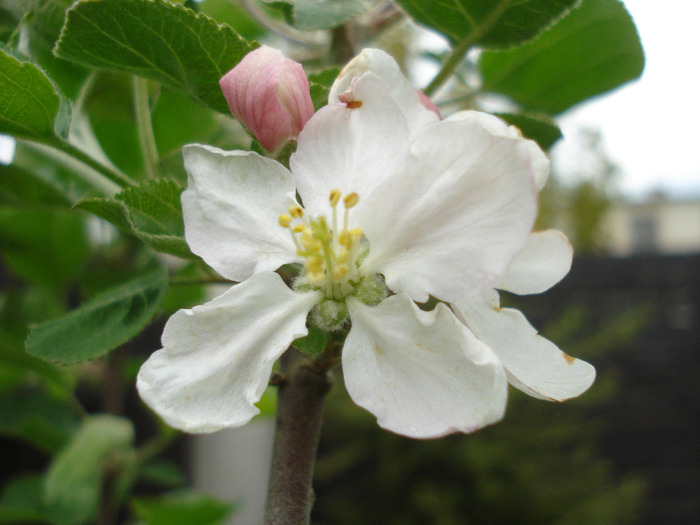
pixel 392 199
pixel 532 363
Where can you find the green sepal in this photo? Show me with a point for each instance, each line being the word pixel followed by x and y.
pixel 101 324
pixel 315 342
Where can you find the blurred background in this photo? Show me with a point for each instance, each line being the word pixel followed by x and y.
pixel 625 189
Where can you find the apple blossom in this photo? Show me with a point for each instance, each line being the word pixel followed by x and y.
pixel 395 206
pixel 269 94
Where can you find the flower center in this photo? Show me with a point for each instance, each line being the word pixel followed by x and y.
pixel 331 251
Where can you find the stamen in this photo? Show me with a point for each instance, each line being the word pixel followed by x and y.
pixel 296 211
pixel 316 278
pixel 314 264
pixel 351 199
pixel 330 252
pixel 340 271
pixel 285 220
pixel 308 240
pixel 334 197
pixel 348 237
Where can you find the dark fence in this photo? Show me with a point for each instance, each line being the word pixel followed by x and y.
pixel 653 423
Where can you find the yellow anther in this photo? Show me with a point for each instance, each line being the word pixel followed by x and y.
pixel 343 255
pixel 334 197
pixel 298 228
pixel 351 199
pixel 348 237
pixel 296 211
pixel 314 264
pixel 316 277
pixel 340 271
pixel 308 240
pixel 285 220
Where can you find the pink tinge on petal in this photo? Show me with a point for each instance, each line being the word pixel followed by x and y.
pixel 427 103
pixel 269 94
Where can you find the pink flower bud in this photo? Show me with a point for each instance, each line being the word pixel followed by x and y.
pixel 269 94
pixel 428 104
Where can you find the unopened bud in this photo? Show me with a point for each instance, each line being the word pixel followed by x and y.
pixel 269 94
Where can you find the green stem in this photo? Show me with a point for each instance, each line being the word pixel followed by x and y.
pixel 142 109
pixel 117 177
pixel 102 178
pixel 297 431
pixel 458 53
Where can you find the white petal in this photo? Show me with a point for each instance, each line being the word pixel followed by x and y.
pixel 384 66
pixel 539 163
pixel 422 374
pixel 350 149
pixel 534 364
pixel 543 262
pixel 451 223
pixel 231 208
pixel 217 358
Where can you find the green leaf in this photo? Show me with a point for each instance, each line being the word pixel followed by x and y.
pixel 16 516
pixel 37 418
pixel 111 210
pixel 509 22
pixel 18 368
pixel 74 480
pixel 44 246
pixel 178 120
pixel 155 39
pixel 30 107
pixel 20 307
pixel 22 501
pixel 325 14
pixel 103 323
pixel 44 18
pixel 155 207
pixel 163 472
pixel 320 84
pixel 541 129
pixel 19 186
pixel 593 49
pixel 41 24
pixel 227 12
pixel 183 507
pixel 151 211
pixel 110 110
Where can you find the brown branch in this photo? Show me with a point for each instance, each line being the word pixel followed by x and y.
pixel 298 428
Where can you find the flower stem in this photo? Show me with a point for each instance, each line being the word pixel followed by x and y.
pixel 455 59
pixel 142 109
pixel 297 431
pixel 103 178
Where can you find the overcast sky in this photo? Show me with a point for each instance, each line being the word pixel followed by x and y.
pixel 651 127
